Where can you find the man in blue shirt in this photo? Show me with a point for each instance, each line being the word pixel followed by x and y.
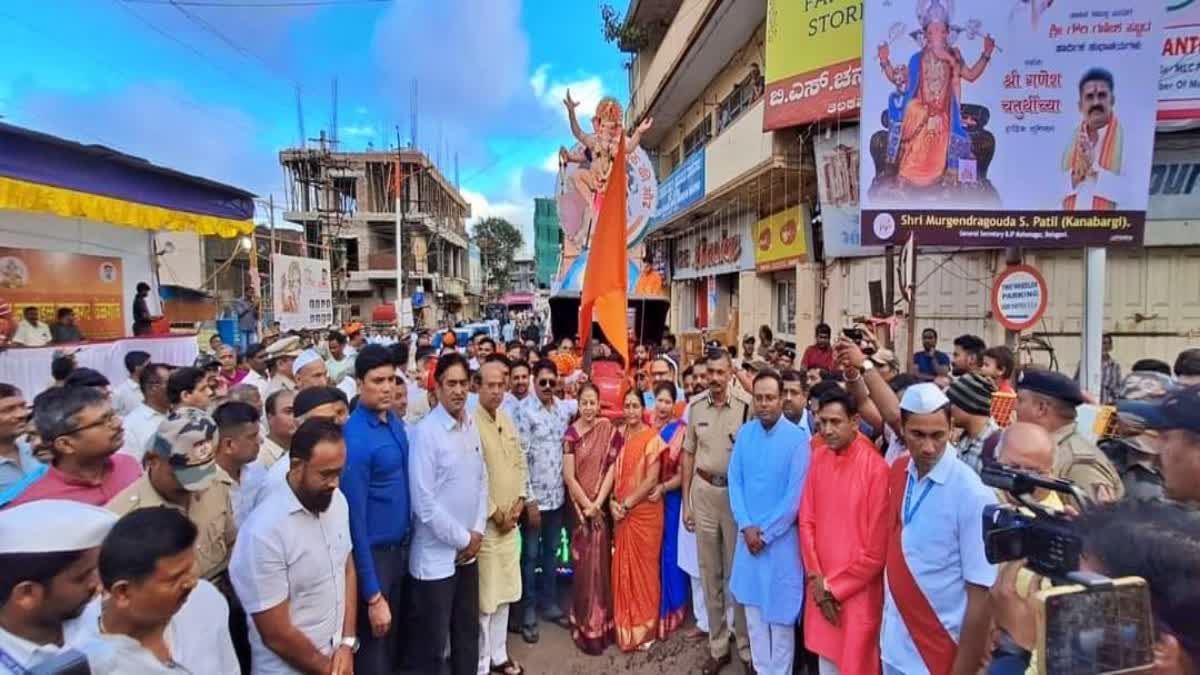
pixel 766 474
pixel 375 482
pixel 929 361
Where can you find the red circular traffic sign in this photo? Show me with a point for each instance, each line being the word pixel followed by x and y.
pixel 1019 297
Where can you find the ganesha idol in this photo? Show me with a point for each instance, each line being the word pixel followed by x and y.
pixel 584 172
pixel 933 146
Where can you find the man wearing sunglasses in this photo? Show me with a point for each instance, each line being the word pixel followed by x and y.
pixel 541 421
pixel 83 434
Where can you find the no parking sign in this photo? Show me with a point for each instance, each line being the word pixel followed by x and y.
pixel 1019 297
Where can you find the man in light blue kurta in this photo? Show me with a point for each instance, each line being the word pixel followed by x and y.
pixel 766 475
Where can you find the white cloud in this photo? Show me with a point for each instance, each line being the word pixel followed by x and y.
pixel 516 209
pixel 361 131
pixel 550 164
pixel 586 90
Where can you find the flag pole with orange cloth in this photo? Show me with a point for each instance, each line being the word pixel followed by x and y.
pixel 606 278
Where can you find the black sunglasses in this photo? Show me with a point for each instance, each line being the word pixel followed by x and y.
pixel 545 383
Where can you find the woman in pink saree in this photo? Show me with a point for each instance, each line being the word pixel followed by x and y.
pixel 590 448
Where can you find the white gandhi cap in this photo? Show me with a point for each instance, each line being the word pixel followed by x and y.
pixel 53 526
pixel 306 357
pixel 923 399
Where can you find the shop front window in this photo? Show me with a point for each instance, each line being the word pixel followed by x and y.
pixel 785 308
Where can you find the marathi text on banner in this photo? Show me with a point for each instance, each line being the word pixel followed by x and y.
pixel 49 280
pixel 301 293
pixel 988 126
pixel 814 69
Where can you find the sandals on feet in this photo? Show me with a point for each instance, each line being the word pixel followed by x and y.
pixel 509 667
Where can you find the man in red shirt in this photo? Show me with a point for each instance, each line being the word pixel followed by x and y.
pixel 83 434
pixel 819 355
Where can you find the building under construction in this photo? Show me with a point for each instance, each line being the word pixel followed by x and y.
pixel 347 204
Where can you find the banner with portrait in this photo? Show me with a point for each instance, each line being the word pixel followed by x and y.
pixel 1008 124
pixel 50 280
pixel 301 292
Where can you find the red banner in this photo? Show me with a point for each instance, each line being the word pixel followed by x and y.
pixel 90 285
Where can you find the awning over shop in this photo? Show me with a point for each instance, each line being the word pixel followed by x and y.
pixel 41 173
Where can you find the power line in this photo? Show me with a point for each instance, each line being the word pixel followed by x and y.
pixel 229 42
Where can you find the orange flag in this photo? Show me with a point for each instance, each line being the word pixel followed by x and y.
pixel 606 277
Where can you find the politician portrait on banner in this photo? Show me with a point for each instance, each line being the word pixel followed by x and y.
pixel 1005 124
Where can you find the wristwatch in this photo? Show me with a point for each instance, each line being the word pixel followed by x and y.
pixel 351 642
pixel 868 364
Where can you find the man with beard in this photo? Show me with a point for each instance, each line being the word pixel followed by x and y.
pixel 968 354
pixel 700 373
pixel 48 555
pixel 83 434
pixel 795 399
pixel 843 541
pixel 291 565
pixel 154 616
pixel 518 387
pixel 448 482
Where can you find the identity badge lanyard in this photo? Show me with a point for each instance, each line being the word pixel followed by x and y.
pixel 9 663
pixel 910 514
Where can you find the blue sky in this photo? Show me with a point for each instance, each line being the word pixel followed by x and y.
pixel 209 86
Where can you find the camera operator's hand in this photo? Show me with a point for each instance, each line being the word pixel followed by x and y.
pixel 1014 613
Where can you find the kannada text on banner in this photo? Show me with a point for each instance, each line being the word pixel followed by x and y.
pixel 988 126
pixel 814 64
pixel 49 280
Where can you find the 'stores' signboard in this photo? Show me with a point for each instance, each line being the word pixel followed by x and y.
pixel 1019 297
pixel 50 280
pixel 813 61
pixel 986 126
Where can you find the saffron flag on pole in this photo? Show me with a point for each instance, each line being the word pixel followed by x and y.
pixel 605 292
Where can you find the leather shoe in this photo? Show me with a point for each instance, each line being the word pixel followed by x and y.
pixel 713 665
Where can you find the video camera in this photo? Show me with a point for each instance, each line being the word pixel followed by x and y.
pixel 1046 541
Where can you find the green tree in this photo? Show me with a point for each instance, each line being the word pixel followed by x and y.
pixel 498 241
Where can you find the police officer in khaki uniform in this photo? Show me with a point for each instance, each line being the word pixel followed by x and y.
pixel 713 421
pixel 180 466
pixel 1049 400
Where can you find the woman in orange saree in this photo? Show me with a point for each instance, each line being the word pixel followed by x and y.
pixel 590 448
pixel 638 531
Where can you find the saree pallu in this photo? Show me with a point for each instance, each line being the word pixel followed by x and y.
pixel 637 543
pixel 591 544
pixel 676 586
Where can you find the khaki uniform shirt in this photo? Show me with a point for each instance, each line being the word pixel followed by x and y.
pixel 209 510
pixel 711 429
pixel 1081 462
pixel 270 452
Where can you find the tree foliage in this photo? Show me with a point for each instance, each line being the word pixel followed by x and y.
pixel 498 241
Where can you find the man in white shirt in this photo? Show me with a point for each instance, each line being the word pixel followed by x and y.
pixel 448 487
pixel 518 387
pixel 48 554
pixel 142 422
pixel 128 394
pixel 155 616
pixel 291 566
pixel 256 361
pixel 281 426
pixel 30 331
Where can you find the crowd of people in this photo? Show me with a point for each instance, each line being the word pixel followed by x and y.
pixel 324 504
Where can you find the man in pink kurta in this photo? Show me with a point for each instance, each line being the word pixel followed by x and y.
pixel 843 541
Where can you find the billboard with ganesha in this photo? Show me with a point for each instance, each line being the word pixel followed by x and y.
pixel 988 125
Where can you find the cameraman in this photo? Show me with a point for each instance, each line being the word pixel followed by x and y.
pixel 1156 541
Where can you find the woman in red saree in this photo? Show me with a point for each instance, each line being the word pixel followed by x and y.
pixel 590 448
pixel 638 531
